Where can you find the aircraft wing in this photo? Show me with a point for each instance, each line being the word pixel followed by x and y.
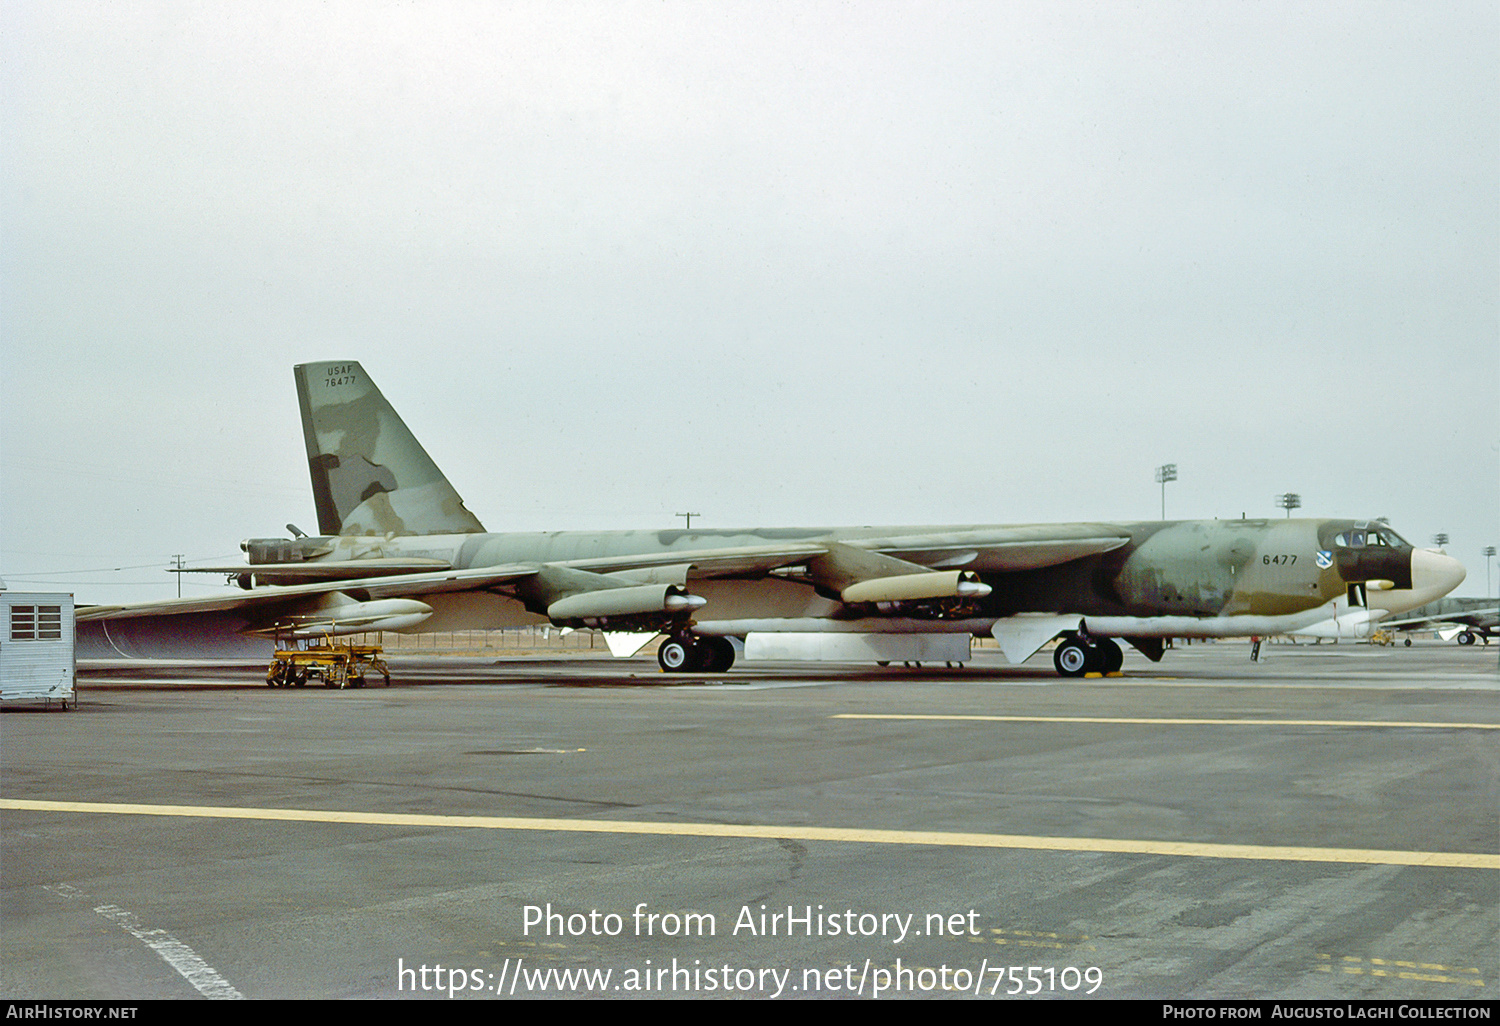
pixel 1467 618
pixel 397 578
pixel 641 591
pixel 1005 550
pixel 1008 556
pixel 736 561
pixel 392 586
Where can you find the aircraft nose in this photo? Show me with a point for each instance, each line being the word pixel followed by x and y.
pixel 1434 574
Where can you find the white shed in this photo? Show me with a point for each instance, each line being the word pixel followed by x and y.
pixel 36 647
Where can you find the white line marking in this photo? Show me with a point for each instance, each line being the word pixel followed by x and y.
pixel 175 953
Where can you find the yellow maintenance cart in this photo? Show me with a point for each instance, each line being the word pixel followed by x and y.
pixel 332 665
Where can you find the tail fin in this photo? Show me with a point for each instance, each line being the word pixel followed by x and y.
pixel 370 475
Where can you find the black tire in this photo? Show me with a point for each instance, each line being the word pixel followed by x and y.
pixel 1467 638
pixel 1112 658
pixel 1408 643
pixel 1073 658
pixel 676 655
pixel 719 654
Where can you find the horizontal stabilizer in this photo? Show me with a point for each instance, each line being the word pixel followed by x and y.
pixel 344 569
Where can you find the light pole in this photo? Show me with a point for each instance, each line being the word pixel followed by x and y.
pixel 1289 501
pixel 1440 539
pixel 1164 473
pixel 1489 554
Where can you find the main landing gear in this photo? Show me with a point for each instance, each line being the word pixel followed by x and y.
pixel 1079 655
pixel 685 653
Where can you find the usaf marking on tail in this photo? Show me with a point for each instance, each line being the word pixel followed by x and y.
pixel 398 550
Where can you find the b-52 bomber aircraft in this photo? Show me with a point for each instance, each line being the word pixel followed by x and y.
pixel 399 551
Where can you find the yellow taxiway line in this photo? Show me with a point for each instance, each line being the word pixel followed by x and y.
pixel 1186 849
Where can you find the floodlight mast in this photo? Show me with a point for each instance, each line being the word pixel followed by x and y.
pixel 1289 501
pixel 1164 473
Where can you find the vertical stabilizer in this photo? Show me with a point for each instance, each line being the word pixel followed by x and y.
pixel 370 475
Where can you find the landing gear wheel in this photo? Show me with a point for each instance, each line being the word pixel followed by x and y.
pixel 1408 643
pixel 676 655
pixel 719 654
pixel 1467 638
pixel 1111 655
pixel 1073 658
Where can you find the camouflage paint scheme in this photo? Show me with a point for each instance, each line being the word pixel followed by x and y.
pixel 398 550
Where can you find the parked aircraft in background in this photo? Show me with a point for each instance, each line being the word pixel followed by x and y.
pixel 399 551
pixel 1468 619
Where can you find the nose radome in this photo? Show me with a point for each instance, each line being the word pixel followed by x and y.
pixel 1434 574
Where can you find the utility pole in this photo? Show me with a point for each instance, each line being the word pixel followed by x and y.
pixel 1164 473
pixel 1289 501
pixel 1489 554
pixel 689 517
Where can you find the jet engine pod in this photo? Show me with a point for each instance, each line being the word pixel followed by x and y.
pixel 603 603
pixel 917 587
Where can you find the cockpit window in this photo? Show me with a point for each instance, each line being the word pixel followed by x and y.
pixel 1383 539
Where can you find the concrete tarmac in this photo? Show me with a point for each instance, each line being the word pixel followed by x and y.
pixel 1321 824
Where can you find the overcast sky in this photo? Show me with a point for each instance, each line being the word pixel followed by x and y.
pixel 781 265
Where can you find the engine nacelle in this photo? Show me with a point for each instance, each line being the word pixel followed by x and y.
pixel 605 603
pixel 917 587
